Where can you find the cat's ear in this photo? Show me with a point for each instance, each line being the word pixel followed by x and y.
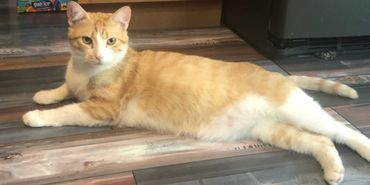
pixel 123 16
pixel 75 13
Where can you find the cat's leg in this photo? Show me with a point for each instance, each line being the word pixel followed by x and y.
pixel 302 111
pixel 288 137
pixel 72 114
pixel 52 96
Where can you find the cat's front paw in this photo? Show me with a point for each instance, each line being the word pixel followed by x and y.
pixel 44 98
pixel 33 119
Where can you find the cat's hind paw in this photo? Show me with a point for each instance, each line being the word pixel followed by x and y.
pixel 334 177
pixel 33 119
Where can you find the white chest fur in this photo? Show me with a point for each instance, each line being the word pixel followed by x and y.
pixel 77 81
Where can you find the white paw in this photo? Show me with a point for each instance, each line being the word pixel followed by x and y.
pixel 334 177
pixel 33 119
pixel 44 98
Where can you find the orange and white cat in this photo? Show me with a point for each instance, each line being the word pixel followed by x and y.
pixel 190 95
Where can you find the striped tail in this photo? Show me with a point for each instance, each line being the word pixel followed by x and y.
pixel 327 86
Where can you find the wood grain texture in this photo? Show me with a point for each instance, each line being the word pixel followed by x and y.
pixel 281 168
pixel 40 161
pixel 38 61
pixel 126 178
pixel 343 67
pixel 358 115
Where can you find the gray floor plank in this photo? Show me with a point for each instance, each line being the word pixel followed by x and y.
pixel 238 179
pixel 30 80
pixel 356 63
pixel 358 115
pixel 14 135
pixel 281 168
pixel 188 183
pixel 328 100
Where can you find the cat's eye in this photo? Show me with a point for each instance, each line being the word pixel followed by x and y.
pixel 86 40
pixel 111 41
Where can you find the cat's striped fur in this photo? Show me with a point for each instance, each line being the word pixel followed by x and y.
pixel 190 95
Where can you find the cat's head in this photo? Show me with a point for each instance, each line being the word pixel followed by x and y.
pixel 98 39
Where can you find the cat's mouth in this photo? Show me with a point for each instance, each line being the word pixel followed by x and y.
pixel 95 63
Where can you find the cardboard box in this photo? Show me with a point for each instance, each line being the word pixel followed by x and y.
pixel 41 5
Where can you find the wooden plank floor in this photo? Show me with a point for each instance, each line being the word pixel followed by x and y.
pixel 33 56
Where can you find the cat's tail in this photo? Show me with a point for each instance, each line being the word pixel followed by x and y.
pixel 327 86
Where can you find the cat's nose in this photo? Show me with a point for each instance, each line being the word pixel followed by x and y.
pixel 98 56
